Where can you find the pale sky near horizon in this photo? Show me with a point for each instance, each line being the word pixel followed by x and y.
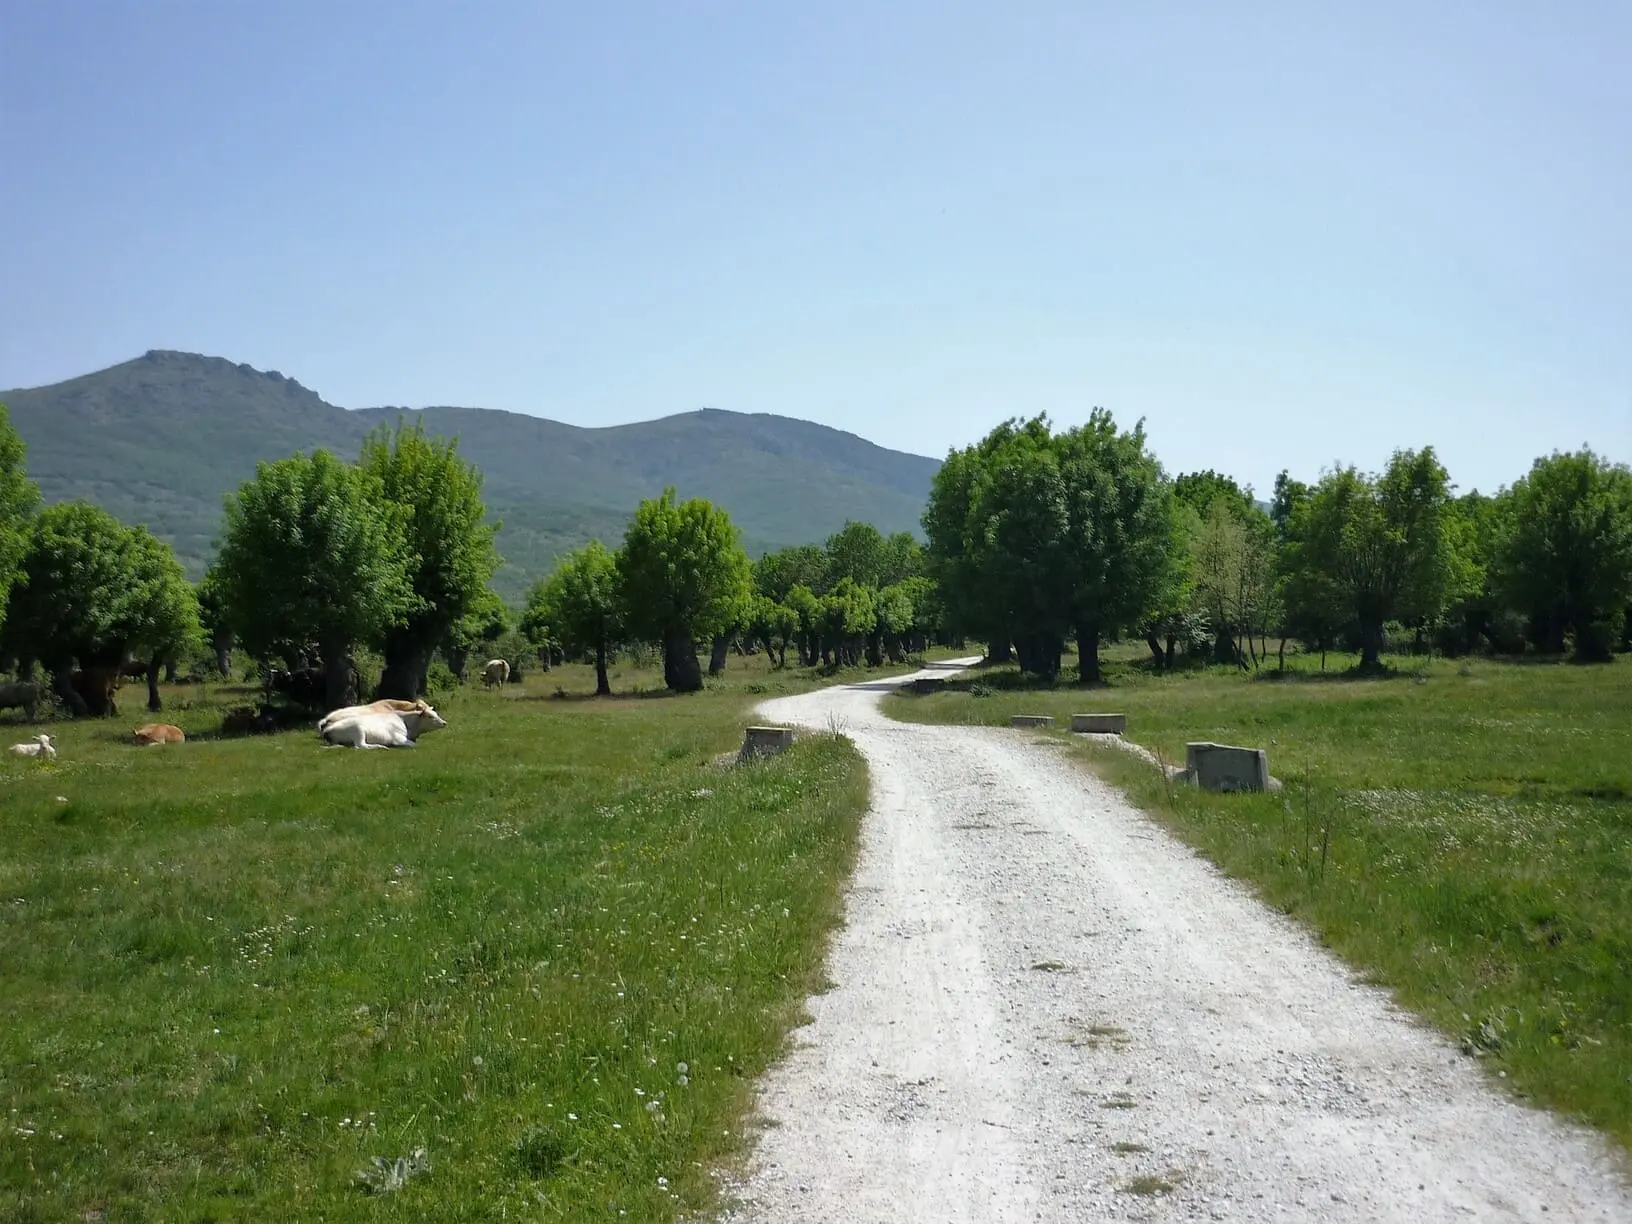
pixel 1282 234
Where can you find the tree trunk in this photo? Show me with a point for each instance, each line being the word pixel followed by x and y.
pixel 153 701
pixel 169 671
pixel 1282 656
pixel 603 687
pixel 458 661
pixel 405 673
pixel 999 651
pixel 336 679
pixel 1172 646
pixel 716 660
pixel 1155 644
pixel 1088 653
pixel 1371 647
pixel 62 684
pixel 681 671
pixel 223 661
pixel 875 650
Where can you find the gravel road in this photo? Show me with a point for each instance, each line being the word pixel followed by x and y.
pixel 1047 1009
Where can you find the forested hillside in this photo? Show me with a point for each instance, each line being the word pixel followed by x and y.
pixel 160 440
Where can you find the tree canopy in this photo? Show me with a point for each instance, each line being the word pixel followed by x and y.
pixel 18 497
pixel 685 576
pixel 582 606
pixel 315 559
pixel 448 540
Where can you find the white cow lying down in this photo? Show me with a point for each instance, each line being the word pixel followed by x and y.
pixel 379 728
pixel 39 746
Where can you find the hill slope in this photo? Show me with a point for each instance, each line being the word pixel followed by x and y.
pixel 161 439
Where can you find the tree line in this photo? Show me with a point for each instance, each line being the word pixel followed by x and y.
pixel 1039 537
pixel 1035 538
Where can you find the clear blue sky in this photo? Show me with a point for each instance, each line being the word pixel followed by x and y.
pixel 1281 236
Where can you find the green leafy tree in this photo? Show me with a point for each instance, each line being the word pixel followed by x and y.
pixel 1567 560
pixel 774 624
pixel 483 623
pixel 1125 556
pixel 684 576
pixel 807 611
pixel 18 497
pixel 213 620
pixel 315 556
pixel 1377 547
pixel 777 573
pixel 847 618
pixel 94 593
pixel 582 604
pixel 857 552
pixel 449 540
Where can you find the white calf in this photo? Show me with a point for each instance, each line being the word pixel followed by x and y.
pixel 40 746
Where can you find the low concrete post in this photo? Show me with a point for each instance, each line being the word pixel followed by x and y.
pixel 766 741
pixel 1100 724
pixel 1221 767
pixel 1031 720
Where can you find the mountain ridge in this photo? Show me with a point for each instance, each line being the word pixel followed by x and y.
pixel 162 438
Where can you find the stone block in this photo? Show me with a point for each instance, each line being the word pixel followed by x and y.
pixel 928 684
pixel 1100 724
pixel 766 741
pixel 1221 767
pixel 1031 720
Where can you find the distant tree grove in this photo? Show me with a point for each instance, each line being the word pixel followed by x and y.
pixel 1038 542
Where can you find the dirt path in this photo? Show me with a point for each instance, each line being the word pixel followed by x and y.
pixel 1046 1009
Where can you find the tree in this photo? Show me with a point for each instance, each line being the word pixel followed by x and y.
pixel 1123 538
pixel 18 497
pixel 93 593
pixel 856 551
pixel 484 622
pixel 777 573
pixel 684 576
pixel 448 537
pixel 1568 558
pixel 314 557
pixel 581 603
pixel 847 619
pixel 807 613
pixel 217 627
pixel 1377 546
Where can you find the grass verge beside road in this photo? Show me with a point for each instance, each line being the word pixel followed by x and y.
pixel 532 966
pixel 1464 837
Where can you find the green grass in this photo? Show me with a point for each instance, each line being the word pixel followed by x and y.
pixel 1465 838
pixel 549 949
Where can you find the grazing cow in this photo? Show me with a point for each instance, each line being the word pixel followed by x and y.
pixel 386 705
pixel 382 729
pixel 39 746
pixel 495 673
pixel 158 733
pixel 24 694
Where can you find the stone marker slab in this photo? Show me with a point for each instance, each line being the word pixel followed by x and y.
pixel 1100 724
pixel 766 741
pixel 1221 767
pixel 928 684
pixel 1031 720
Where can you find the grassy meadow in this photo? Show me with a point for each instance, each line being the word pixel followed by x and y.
pixel 1461 831
pixel 527 969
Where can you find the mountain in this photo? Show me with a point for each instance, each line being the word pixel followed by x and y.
pixel 161 439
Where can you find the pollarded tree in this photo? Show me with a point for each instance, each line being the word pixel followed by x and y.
pixel 93 593
pixel 847 619
pixel 314 554
pixel 684 576
pixel 1567 560
pixel 807 612
pixel 212 615
pixel 582 604
pixel 18 497
pixel 857 552
pixel 484 622
pixel 1125 554
pixel 1377 546
pixel 449 537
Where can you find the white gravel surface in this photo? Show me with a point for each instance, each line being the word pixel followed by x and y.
pixel 1041 998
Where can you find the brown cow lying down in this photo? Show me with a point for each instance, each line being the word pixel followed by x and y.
pixel 158 733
